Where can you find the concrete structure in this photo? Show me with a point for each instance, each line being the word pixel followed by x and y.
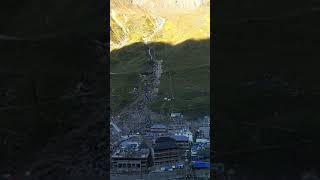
pixel 155 131
pixel 158 128
pixel 131 158
pixel 166 152
pixel 182 142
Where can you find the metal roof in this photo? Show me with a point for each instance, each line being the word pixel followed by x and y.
pixel 165 139
pixel 165 146
pixel 180 138
pixel 164 143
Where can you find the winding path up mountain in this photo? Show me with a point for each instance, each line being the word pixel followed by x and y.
pixel 136 115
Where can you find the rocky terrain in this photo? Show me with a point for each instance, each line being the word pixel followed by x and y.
pixel 158 21
pixel 170 28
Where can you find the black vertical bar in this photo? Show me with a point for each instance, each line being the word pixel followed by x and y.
pixel 108 112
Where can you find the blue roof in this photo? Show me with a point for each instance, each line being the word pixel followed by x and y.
pixel 200 165
pixel 180 138
pixel 179 163
pixel 194 158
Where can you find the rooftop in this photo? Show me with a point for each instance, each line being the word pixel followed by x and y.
pixel 140 153
pixel 164 143
pixel 165 146
pixel 206 130
pixel 201 164
pixel 165 139
pixel 158 126
pixel 180 138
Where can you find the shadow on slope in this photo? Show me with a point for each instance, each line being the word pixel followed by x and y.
pixel 186 74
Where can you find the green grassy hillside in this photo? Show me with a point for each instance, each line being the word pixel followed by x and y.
pixel 187 64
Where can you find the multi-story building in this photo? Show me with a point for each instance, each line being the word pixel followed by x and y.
pixel 182 142
pixel 156 131
pixel 132 160
pixel 158 128
pixel 204 132
pixel 166 151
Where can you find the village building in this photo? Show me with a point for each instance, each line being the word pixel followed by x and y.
pixel 158 128
pixel 166 152
pixel 200 151
pixel 204 132
pixel 132 158
pixel 176 115
pixel 185 132
pixel 182 142
pixel 156 131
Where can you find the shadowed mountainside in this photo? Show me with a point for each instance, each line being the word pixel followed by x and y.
pixel 186 72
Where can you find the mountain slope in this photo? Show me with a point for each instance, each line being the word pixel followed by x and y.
pixel 178 32
pixel 158 21
pixel 186 77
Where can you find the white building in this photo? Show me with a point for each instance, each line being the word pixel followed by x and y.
pixel 204 132
pixel 176 115
pixel 185 132
pixel 198 140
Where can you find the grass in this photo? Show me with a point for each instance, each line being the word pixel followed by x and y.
pixel 186 75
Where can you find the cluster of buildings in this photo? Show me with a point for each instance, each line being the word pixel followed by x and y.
pixel 163 148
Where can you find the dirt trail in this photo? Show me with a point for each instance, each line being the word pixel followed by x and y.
pixel 136 115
